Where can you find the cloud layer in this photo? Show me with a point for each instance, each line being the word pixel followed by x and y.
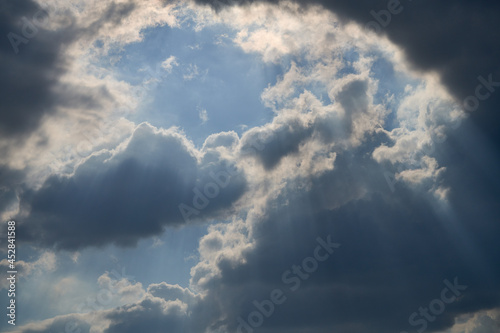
pixel 362 151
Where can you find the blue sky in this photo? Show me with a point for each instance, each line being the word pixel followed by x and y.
pixel 230 94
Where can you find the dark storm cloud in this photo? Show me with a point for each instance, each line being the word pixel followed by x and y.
pixel 32 61
pixel 457 39
pixel 131 195
pixel 29 70
pixel 396 251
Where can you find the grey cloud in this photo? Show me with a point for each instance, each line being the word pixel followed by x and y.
pixel 395 255
pixel 486 323
pixel 122 198
pixel 31 69
pixel 355 102
pixel 289 130
pixel 270 145
pixel 10 180
pixel 28 76
pixel 113 16
pixel 152 315
pixel 397 248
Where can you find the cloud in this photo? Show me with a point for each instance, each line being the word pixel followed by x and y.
pixel 316 169
pixel 384 255
pixel 59 324
pixel 193 72
pixel 172 293
pixel 203 114
pixel 123 195
pixel 152 314
pixel 45 263
pixel 148 176
pixel 33 70
pixel 303 125
pixel 35 59
pixel 124 290
pixel 221 139
pixel 169 63
pixel 479 322
pixel 75 105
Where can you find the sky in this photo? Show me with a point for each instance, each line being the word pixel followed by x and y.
pixel 250 166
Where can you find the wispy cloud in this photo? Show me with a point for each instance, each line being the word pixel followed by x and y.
pixel 169 63
pixel 203 116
